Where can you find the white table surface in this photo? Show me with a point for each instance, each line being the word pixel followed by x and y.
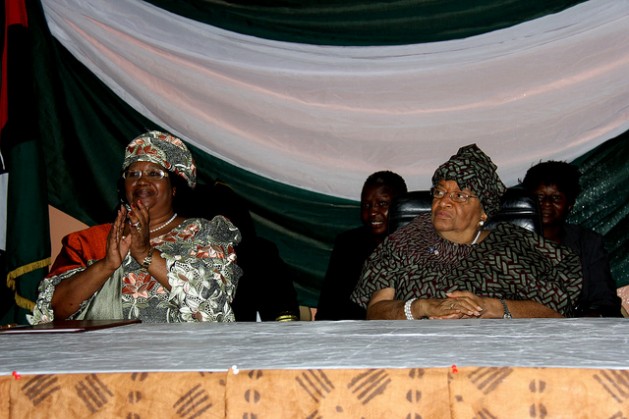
pixel 563 343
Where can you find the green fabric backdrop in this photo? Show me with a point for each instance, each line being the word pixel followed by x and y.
pixel 359 22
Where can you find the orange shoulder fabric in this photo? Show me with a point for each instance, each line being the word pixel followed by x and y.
pixel 80 247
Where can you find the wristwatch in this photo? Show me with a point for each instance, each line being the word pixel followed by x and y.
pixel 507 313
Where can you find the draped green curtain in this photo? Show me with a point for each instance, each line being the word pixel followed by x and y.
pixel 27 255
pixel 359 22
pixel 604 202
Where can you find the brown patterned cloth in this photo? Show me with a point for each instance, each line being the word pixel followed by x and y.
pixel 115 395
pixel 473 169
pixel 447 392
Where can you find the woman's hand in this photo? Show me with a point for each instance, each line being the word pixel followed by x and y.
pixel 117 245
pixel 70 293
pixel 137 240
pixel 470 305
pixel 458 305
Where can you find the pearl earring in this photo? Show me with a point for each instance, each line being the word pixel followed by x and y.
pixel 481 223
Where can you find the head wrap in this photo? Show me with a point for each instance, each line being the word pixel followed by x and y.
pixel 471 168
pixel 163 149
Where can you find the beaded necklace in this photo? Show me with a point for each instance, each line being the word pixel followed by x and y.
pixel 159 227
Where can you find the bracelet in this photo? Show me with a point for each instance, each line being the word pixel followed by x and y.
pixel 148 259
pixel 507 313
pixel 407 309
pixel 286 317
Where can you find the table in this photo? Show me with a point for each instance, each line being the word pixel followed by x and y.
pixel 429 369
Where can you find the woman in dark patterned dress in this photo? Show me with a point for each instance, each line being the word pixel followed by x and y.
pixel 445 265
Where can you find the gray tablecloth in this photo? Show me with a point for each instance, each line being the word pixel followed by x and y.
pixel 566 343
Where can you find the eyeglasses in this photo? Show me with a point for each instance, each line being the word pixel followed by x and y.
pixel 456 196
pixel 150 174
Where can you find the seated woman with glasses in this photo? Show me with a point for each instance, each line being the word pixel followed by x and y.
pixel 555 184
pixel 444 265
pixel 151 263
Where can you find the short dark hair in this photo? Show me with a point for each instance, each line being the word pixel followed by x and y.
pixel 390 180
pixel 564 175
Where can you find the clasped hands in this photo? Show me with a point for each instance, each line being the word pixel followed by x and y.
pixel 130 233
pixel 463 305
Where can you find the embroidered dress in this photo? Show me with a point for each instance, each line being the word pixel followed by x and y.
pixel 511 263
pixel 202 273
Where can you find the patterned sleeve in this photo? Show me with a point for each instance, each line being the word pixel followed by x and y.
pixel 203 273
pixel 80 249
pixel 43 312
pixel 561 285
pixel 379 272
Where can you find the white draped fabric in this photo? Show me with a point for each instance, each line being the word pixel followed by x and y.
pixel 322 118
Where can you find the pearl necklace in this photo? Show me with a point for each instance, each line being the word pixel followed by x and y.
pixel 153 230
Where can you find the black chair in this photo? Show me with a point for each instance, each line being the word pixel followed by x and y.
pixel 517 207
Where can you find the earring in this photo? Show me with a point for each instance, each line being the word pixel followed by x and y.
pixel 481 223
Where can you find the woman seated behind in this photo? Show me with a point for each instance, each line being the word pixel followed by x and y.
pixel 353 247
pixel 555 184
pixel 151 263
pixel 444 265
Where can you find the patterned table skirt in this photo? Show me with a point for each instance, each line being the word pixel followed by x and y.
pixel 323 393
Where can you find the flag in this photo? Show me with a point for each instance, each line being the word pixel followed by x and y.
pixel 27 257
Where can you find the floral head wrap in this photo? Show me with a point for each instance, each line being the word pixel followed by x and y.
pixel 471 168
pixel 163 149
